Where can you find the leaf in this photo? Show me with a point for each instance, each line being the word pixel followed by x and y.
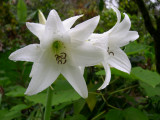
pixel 17 91
pixel 91 100
pixel 31 16
pixel 3 113
pixel 146 76
pixel 134 48
pixel 149 90
pixel 21 11
pixel 114 114
pixel 63 92
pixel 78 105
pixel 134 114
pixel 76 117
pixel 101 5
pixel 19 107
pixel 114 72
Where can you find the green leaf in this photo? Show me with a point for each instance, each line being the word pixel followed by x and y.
pixel 21 11
pixel 101 5
pixel 78 105
pixel 3 113
pixel 146 76
pixel 17 91
pixel 114 72
pixel 134 114
pixel 114 114
pixel 19 107
pixel 149 90
pixel 76 117
pixel 63 92
pixel 134 48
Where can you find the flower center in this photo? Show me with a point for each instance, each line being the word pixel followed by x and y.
pixel 59 48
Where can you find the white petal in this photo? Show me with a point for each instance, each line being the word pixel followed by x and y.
pixel 75 78
pixel 124 26
pixel 99 40
pixel 70 21
pixel 122 39
pixel 118 19
pixel 82 69
pixel 87 55
pixel 120 61
pixel 130 36
pixel 36 29
pixel 54 24
pixel 43 74
pixel 29 53
pixel 54 30
pixel 41 17
pixel 108 75
pixel 96 36
pixel 82 31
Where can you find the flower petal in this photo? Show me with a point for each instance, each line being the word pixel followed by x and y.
pixel 118 19
pixel 43 73
pixel 29 53
pixel 70 21
pixel 54 29
pixel 82 31
pixel 124 26
pixel 36 29
pixel 130 36
pixel 87 55
pixel 54 24
pixel 120 61
pixel 41 17
pixel 75 78
pixel 108 76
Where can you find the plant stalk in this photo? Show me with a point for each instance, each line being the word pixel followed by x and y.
pixel 48 107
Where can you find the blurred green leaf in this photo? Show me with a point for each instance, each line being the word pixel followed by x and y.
pixel 134 114
pixel 114 72
pixel 149 90
pixel 76 117
pixel 101 5
pixel 3 113
pixel 134 48
pixel 114 114
pixel 21 11
pixel 91 100
pixel 149 77
pixel 19 107
pixel 17 91
pixel 78 105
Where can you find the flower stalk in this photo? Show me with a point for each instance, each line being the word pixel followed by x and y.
pixel 48 107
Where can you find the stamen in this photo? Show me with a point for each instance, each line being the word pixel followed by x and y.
pixel 61 59
pixel 110 52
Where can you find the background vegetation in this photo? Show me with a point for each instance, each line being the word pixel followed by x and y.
pixel 128 97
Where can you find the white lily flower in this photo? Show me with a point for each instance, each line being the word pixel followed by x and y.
pixel 61 51
pixel 111 41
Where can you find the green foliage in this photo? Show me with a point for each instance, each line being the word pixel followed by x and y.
pixel 21 11
pixel 149 77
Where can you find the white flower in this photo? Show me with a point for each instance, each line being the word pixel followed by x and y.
pixel 111 41
pixel 61 51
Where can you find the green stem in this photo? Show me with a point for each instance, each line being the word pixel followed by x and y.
pixel 48 104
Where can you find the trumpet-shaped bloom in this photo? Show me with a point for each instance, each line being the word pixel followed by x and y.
pixel 111 41
pixel 61 51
